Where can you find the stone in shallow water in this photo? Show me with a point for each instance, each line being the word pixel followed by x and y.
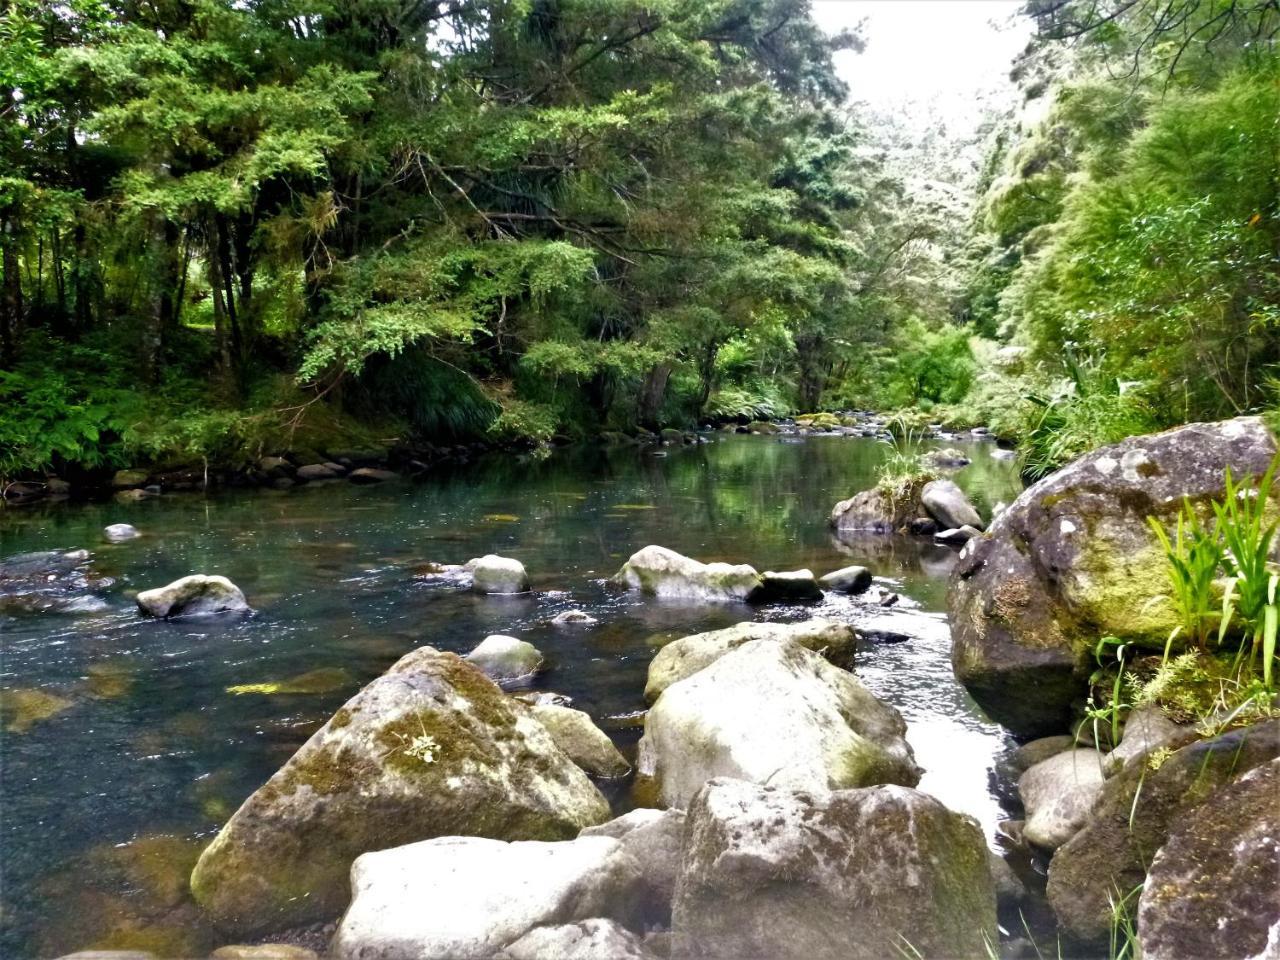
pixel 430 748
pixel 660 572
pixel 494 574
pixel 22 708
pixel 322 680
pixel 196 595
pixel 789 586
pixel 850 875
pixel 506 658
pixel 120 532
pixel 1058 794
pixel 848 580
pixel 771 711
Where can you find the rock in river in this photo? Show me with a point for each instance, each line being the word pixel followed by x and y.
pixel 193 596
pixel 430 748
pixel 582 741
pixel 664 573
pixel 463 897
pixel 852 875
pixel 948 505
pixel 1073 559
pixel 686 656
pixel 494 574
pixel 788 586
pixel 1214 888
pixel 506 658
pixel 1058 794
pixel 120 532
pixel 1136 813
pixel 773 712
pixel 848 580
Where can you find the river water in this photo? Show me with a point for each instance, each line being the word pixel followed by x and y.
pixel 105 802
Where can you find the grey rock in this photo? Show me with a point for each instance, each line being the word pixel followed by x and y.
pixel 1134 816
pixel 656 839
pixel 494 574
pixel 848 580
pixel 505 658
pixel 957 536
pixel 850 875
pixel 1073 559
pixel 372 475
pixel 660 572
pixel 582 741
pixel 1146 729
pixel 770 711
pixel 1058 794
pixel 431 748
pixel 948 504
pixel 573 618
pixel 196 595
pixel 1029 754
pixel 120 532
pixel 468 897
pixel 317 471
pixel 595 939
pixel 791 586
pixel 1213 890
pixel 686 656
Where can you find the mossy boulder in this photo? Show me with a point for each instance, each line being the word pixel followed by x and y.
pixel 1214 888
pixel 582 741
pixel 882 509
pixel 660 572
pixel 849 875
pixel 503 658
pixel 763 426
pixel 431 748
pixel 196 595
pixel 1136 813
pixel 684 657
pixel 1073 559
pixel 770 711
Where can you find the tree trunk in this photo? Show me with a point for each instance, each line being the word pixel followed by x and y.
pixel 651 395
pixel 11 301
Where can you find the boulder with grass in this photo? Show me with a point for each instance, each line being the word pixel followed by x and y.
pixel 1074 559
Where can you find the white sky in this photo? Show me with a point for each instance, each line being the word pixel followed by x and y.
pixel 936 53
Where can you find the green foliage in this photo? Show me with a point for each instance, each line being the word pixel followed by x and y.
pixel 1247 537
pixel 1193 557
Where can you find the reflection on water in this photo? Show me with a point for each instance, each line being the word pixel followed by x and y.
pixel 148 752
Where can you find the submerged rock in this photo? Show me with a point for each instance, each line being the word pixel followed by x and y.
pixel 367 475
pixel 430 748
pixel 196 595
pixel 664 573
pixel 120 532
pixel 494 574
pixel 850 875
pixel 771 711
pixel 848 580
pixel 1134 816
pixel 1058 794
pixel 22 708
pixel 1214 888
pixel 463 897
pixel 505 658
pixel 684 657
pixel 1073 559
pixel 582 741
pixel 573 618
pixel 50 581
pixel 321 680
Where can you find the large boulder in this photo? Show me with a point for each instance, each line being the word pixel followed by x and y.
pixel 494 574
pixel 1134 816
pixel 504 658
pixel 656 839
pixel 194 596
pixel 848 580
pixel 948 505
pixel 582 741
pixel 430 748
pixel 788 586
pixel 854 875
pixel 463 897
pixel 1213 891
pixel 1058 793
pixel 878 510
pixel 661 572
pixel 684 657
pixel 1073 559
pixel 771 712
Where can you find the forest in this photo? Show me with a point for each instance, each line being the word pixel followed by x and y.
pixel 237 228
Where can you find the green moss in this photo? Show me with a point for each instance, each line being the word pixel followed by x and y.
pixel 24 707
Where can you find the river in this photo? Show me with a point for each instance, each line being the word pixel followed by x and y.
pixel 105 801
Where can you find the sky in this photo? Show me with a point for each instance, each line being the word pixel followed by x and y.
pixel 935 53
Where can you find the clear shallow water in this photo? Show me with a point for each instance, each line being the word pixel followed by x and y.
pixel 104 804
